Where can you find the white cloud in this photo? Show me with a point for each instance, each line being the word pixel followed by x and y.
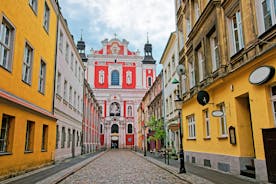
pixel 130 19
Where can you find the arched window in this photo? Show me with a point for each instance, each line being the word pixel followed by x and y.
pixel 129 128
pixel 128 77
pixel 129 111
pixel 115 78
pixel 114 109
pixel 101 129
pixel 115 128
pixel 149 81
pixel 101 77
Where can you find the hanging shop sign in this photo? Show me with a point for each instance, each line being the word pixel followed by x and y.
pixel 217 113
pixel 114 138
pixel 261 75
pixel 203 97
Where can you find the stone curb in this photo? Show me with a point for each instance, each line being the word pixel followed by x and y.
pixel 188 177
pixel 58 177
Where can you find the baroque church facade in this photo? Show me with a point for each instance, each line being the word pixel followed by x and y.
pixel 119 78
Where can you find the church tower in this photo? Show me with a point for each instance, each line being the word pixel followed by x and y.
pixel 149 66
pixel 81 49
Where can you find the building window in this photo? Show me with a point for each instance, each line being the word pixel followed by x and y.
pixel 115 78
pixel 75 99
pixel 57 136
pixel 76 68
pixel 149 81
pixel 191 126
pixel 273 100
pixel 59 83
pixel 184 80
pixel 33 4
pixel 60 43
pixel 170 104
pixel 27 64
pixel 129 77
pixel 214 52
pixel 42 75
pixel 236 37
pixel 101 129
pixel 63 137
pixel 192 73
pixel 44 138
pixel 67 53
pixel 46 20
pixel 222 120
pixel 173 62
pixel 6 133
pixel 188 25
pixel 70 94
pixel 181 40
pixel 201 65
pixel 197 10
pixel 101 77
pixel 129 111
pixel 69 138
pixel 206 123
pixel 29 139
pixel 114 128
pixel 78 138
pixel 78 101
pixel 79 74
pixel 65 90
pixel 6 43
pixel 129 128
pixel 72 61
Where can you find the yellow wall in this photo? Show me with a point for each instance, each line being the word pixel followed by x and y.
pixel 18 160
pixel 29 27
pixel 220 91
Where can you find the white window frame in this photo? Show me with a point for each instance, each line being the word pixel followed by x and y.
pixel 4 139
pixel 207 123
pixel 201 65
pixel 46 19
pixel 65 92
pixel 59 83
pixel 27 64
pixel 67 52
pixel 191 127
pixel 260 15
pixel 75 99
pixel 60 43
pixel 42 77
pixel 184 85
pixel 76 68
pixel 214 52
pixel 72 61
pixel 129 111
pixel 192 73
pixel 70 94
pixel 33 5
pixel 6 43
pixel 238 29
pixel 222 121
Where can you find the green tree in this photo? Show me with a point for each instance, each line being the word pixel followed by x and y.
pixel 158 127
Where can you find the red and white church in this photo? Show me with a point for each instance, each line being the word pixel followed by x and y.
pixel 119 79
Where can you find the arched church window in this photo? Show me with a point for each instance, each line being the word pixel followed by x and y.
pixel 115 78
pixel 129 128
pixel 101 77
pixel 129 111
pixel 114 109
pixel 149 81
pixel 128 77
pixel 114 128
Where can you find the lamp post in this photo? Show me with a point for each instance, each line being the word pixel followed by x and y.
pixel 178 104
pixel 145 141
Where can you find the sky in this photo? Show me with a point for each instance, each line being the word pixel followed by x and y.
pixel 129 19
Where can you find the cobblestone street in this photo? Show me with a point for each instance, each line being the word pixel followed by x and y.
pixel 121 166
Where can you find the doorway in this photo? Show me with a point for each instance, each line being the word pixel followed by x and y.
pixel 114 144
pixel 269 138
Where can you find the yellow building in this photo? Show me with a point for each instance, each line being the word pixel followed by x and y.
pixel 228 50
pixel 27 64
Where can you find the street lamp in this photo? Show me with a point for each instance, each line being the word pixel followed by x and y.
pixel 145 141
pixel 178 104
